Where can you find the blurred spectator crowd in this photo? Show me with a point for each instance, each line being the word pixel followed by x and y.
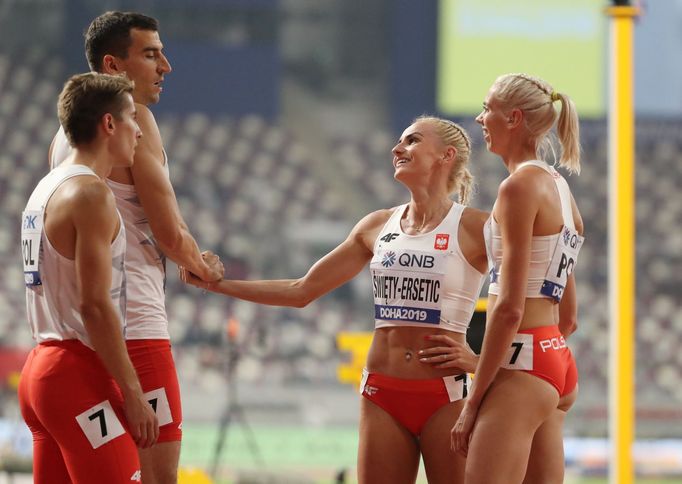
pixel 256 194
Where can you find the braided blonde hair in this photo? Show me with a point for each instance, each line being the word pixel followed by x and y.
pixel 460 178
pixel 535 97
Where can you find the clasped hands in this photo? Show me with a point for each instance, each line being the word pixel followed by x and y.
pixel 216 270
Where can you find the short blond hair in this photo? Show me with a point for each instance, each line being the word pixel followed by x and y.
pixel 85 99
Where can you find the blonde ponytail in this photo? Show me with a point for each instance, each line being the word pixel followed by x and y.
pixel 568 131
pixel 536 98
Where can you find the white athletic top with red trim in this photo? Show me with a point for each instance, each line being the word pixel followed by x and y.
pixel 423 280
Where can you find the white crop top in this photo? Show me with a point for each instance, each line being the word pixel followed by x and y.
pixel 145 262
pixel 423 280
pixel 52 297
pixel 552 257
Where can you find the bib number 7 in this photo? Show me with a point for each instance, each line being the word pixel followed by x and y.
pixel 520 353
pixel 456 386
pixel 100 424
pixel 159 403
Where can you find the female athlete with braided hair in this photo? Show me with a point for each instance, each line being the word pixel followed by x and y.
pixel 526 378
pixel 428 260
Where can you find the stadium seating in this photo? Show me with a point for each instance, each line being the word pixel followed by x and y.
pixel 249 188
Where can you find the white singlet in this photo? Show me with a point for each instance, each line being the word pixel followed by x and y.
pixel 52 298
pixel 552 257
pixel 145 263
pixel 423 280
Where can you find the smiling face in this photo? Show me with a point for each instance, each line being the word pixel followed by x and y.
pixel 495 122
pixel 145 64
pixel 418 152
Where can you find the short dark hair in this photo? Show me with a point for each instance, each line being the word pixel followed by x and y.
pixel 110 34
pixel 85 99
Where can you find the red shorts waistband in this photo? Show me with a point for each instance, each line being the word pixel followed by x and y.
pixel 147 343
pixel 74 345
pixel 428 385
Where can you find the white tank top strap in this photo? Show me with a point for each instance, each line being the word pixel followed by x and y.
pixel 456 215
pixel 52 181
pixel 562 187
pixel 566 207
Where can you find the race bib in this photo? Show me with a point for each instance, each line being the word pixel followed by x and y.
pixel 100 424
pixel 31 231
pixel 159 402
pixel 520 354
pixel 407 285
pixel 457 386
pixel 563 262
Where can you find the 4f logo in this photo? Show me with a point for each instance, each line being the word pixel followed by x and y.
pixel 442 242
pixel 371 390
pixel 389 237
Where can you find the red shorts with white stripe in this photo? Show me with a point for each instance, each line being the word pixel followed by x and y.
pixel 412 402
pixel 153 362
pixel 543 352
pixel 75 411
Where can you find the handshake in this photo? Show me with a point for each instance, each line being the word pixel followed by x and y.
pixel 213 273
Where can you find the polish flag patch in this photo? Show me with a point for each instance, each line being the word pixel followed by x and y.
pixel 442 241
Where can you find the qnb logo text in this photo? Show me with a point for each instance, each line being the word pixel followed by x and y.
pixel 414 260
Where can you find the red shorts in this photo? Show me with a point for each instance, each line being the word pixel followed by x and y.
pixel 543 352
pixel 153 362
pixel 75 411
pixel 412 402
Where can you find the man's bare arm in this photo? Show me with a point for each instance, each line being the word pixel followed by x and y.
pixel 96 222
pixel 160 204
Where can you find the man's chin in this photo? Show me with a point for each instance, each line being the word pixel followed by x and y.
pixel 148 99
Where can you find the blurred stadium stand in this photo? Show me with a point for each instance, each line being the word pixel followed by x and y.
pixel 252 191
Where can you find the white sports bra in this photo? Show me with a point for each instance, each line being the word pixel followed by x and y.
pixel 552 257
pixel 423 280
